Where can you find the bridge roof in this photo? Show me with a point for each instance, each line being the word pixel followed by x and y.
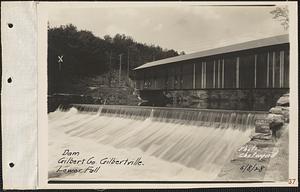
pixel 281 39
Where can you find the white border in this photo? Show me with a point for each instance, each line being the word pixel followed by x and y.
pixel 18 98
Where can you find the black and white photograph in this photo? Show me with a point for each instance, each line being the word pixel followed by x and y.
pixel 168 93
pixel 149 95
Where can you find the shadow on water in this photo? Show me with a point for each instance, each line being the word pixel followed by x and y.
pixel 229 99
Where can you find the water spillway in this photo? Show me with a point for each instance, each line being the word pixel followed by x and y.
pixel 188 116
pixel 200 139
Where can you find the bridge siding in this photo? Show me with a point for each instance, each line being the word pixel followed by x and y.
pixel 210 72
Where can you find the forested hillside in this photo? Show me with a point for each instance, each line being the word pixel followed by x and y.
pixel 84 55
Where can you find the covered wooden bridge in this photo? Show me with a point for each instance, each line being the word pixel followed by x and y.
pixel 247 71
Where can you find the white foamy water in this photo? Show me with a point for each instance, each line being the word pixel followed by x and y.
pixel 171 149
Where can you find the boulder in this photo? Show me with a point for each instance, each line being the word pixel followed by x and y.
pixel 275 118
pixel 286 113
pixel 279 110
pixel 276 122
pixel 262 126
pixel 261 136
pixel 276 110
pixel 284 100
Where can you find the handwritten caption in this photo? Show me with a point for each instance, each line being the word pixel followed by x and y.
pixel 252 168
pixel 252 152
pixel 71 162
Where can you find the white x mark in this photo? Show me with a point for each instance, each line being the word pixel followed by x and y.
pixel 60 59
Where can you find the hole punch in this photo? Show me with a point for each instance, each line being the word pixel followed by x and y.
pixel 9 80
pixel 11 165
pixel 10 25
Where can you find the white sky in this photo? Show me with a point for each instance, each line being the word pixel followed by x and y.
pixel 182 28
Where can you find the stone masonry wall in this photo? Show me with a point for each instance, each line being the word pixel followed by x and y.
pixel 246 99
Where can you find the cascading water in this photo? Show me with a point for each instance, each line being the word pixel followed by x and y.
pixel 203 140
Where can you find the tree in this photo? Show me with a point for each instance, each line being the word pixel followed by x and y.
pixel 281 14
pixel 86 55
pixel 108 38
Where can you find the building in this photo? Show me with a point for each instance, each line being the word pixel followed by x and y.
pixel 250 75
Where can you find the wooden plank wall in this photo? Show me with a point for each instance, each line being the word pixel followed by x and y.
pixel 267 68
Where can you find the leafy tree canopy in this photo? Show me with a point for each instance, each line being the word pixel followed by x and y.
pixel 86 55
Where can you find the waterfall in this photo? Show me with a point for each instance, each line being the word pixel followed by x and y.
pixel 201 117
pixel 195 138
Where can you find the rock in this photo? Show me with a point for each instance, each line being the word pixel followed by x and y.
pixel 286 113
pixel 262 129
pixel 284 100
pixel 276 123
pixel 275 118
pixel 279 110
pixel 287 94
pixel 262 126
pixel 262 136
pixel 276 110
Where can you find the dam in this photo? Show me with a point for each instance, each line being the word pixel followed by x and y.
pixel 192 139
pixel 198 110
